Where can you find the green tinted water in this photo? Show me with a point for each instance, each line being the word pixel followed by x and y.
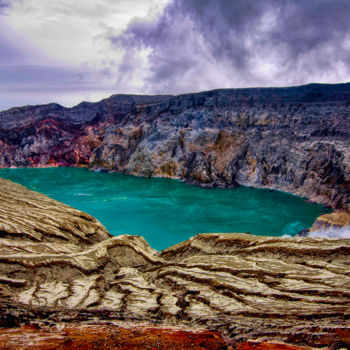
pixel 166 211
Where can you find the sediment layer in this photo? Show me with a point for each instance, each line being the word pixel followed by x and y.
pixel 291 290
pixel 293 139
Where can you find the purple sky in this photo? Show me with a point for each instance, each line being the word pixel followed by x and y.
pixel 67 51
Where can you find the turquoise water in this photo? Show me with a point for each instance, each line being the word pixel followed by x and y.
pixel 165 211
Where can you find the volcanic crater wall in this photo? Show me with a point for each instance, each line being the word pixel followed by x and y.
pixel 294 139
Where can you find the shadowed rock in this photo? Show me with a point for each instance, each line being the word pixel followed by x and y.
pixel 294 290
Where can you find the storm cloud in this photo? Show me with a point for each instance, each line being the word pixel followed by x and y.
pixel 4 4
pixel 204 44
pixel 67 51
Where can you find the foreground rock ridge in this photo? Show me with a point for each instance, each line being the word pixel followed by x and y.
pixel 60 265
pixel 293 139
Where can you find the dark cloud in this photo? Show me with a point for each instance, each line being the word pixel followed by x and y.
pixel 4 4
pixel 11 53
pixel 39 78
pixel 10 50
pixel 200 44
pixel 30 84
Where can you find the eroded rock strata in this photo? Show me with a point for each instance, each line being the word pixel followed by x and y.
pixel 29 216
pixel 336 220
pixel 59 265
pixel 294 139
pixel 333 225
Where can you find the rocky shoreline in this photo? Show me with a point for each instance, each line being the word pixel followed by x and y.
pixel 292 139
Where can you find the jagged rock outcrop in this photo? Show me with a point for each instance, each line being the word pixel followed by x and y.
pixel 292 290
pixel 333 225
pixel 336 220
pixel 294 139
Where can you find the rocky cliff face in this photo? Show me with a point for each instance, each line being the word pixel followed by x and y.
pixel 294 139
pixel 59 265
pixel 52 135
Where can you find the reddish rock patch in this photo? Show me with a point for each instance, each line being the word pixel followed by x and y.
pixel 101 337
pixel 269 346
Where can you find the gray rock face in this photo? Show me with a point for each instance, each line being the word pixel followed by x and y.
pixel 294 139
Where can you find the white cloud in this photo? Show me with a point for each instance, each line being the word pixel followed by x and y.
pixel 65 36
pixel 73 32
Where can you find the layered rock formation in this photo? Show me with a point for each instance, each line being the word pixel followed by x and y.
pixel 60 265
pixel 333 225
pixel 294 139
pixel 28 216
pixel 50 135
pixel 337 220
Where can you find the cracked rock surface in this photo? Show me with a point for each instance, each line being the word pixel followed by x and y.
pixel 58 264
